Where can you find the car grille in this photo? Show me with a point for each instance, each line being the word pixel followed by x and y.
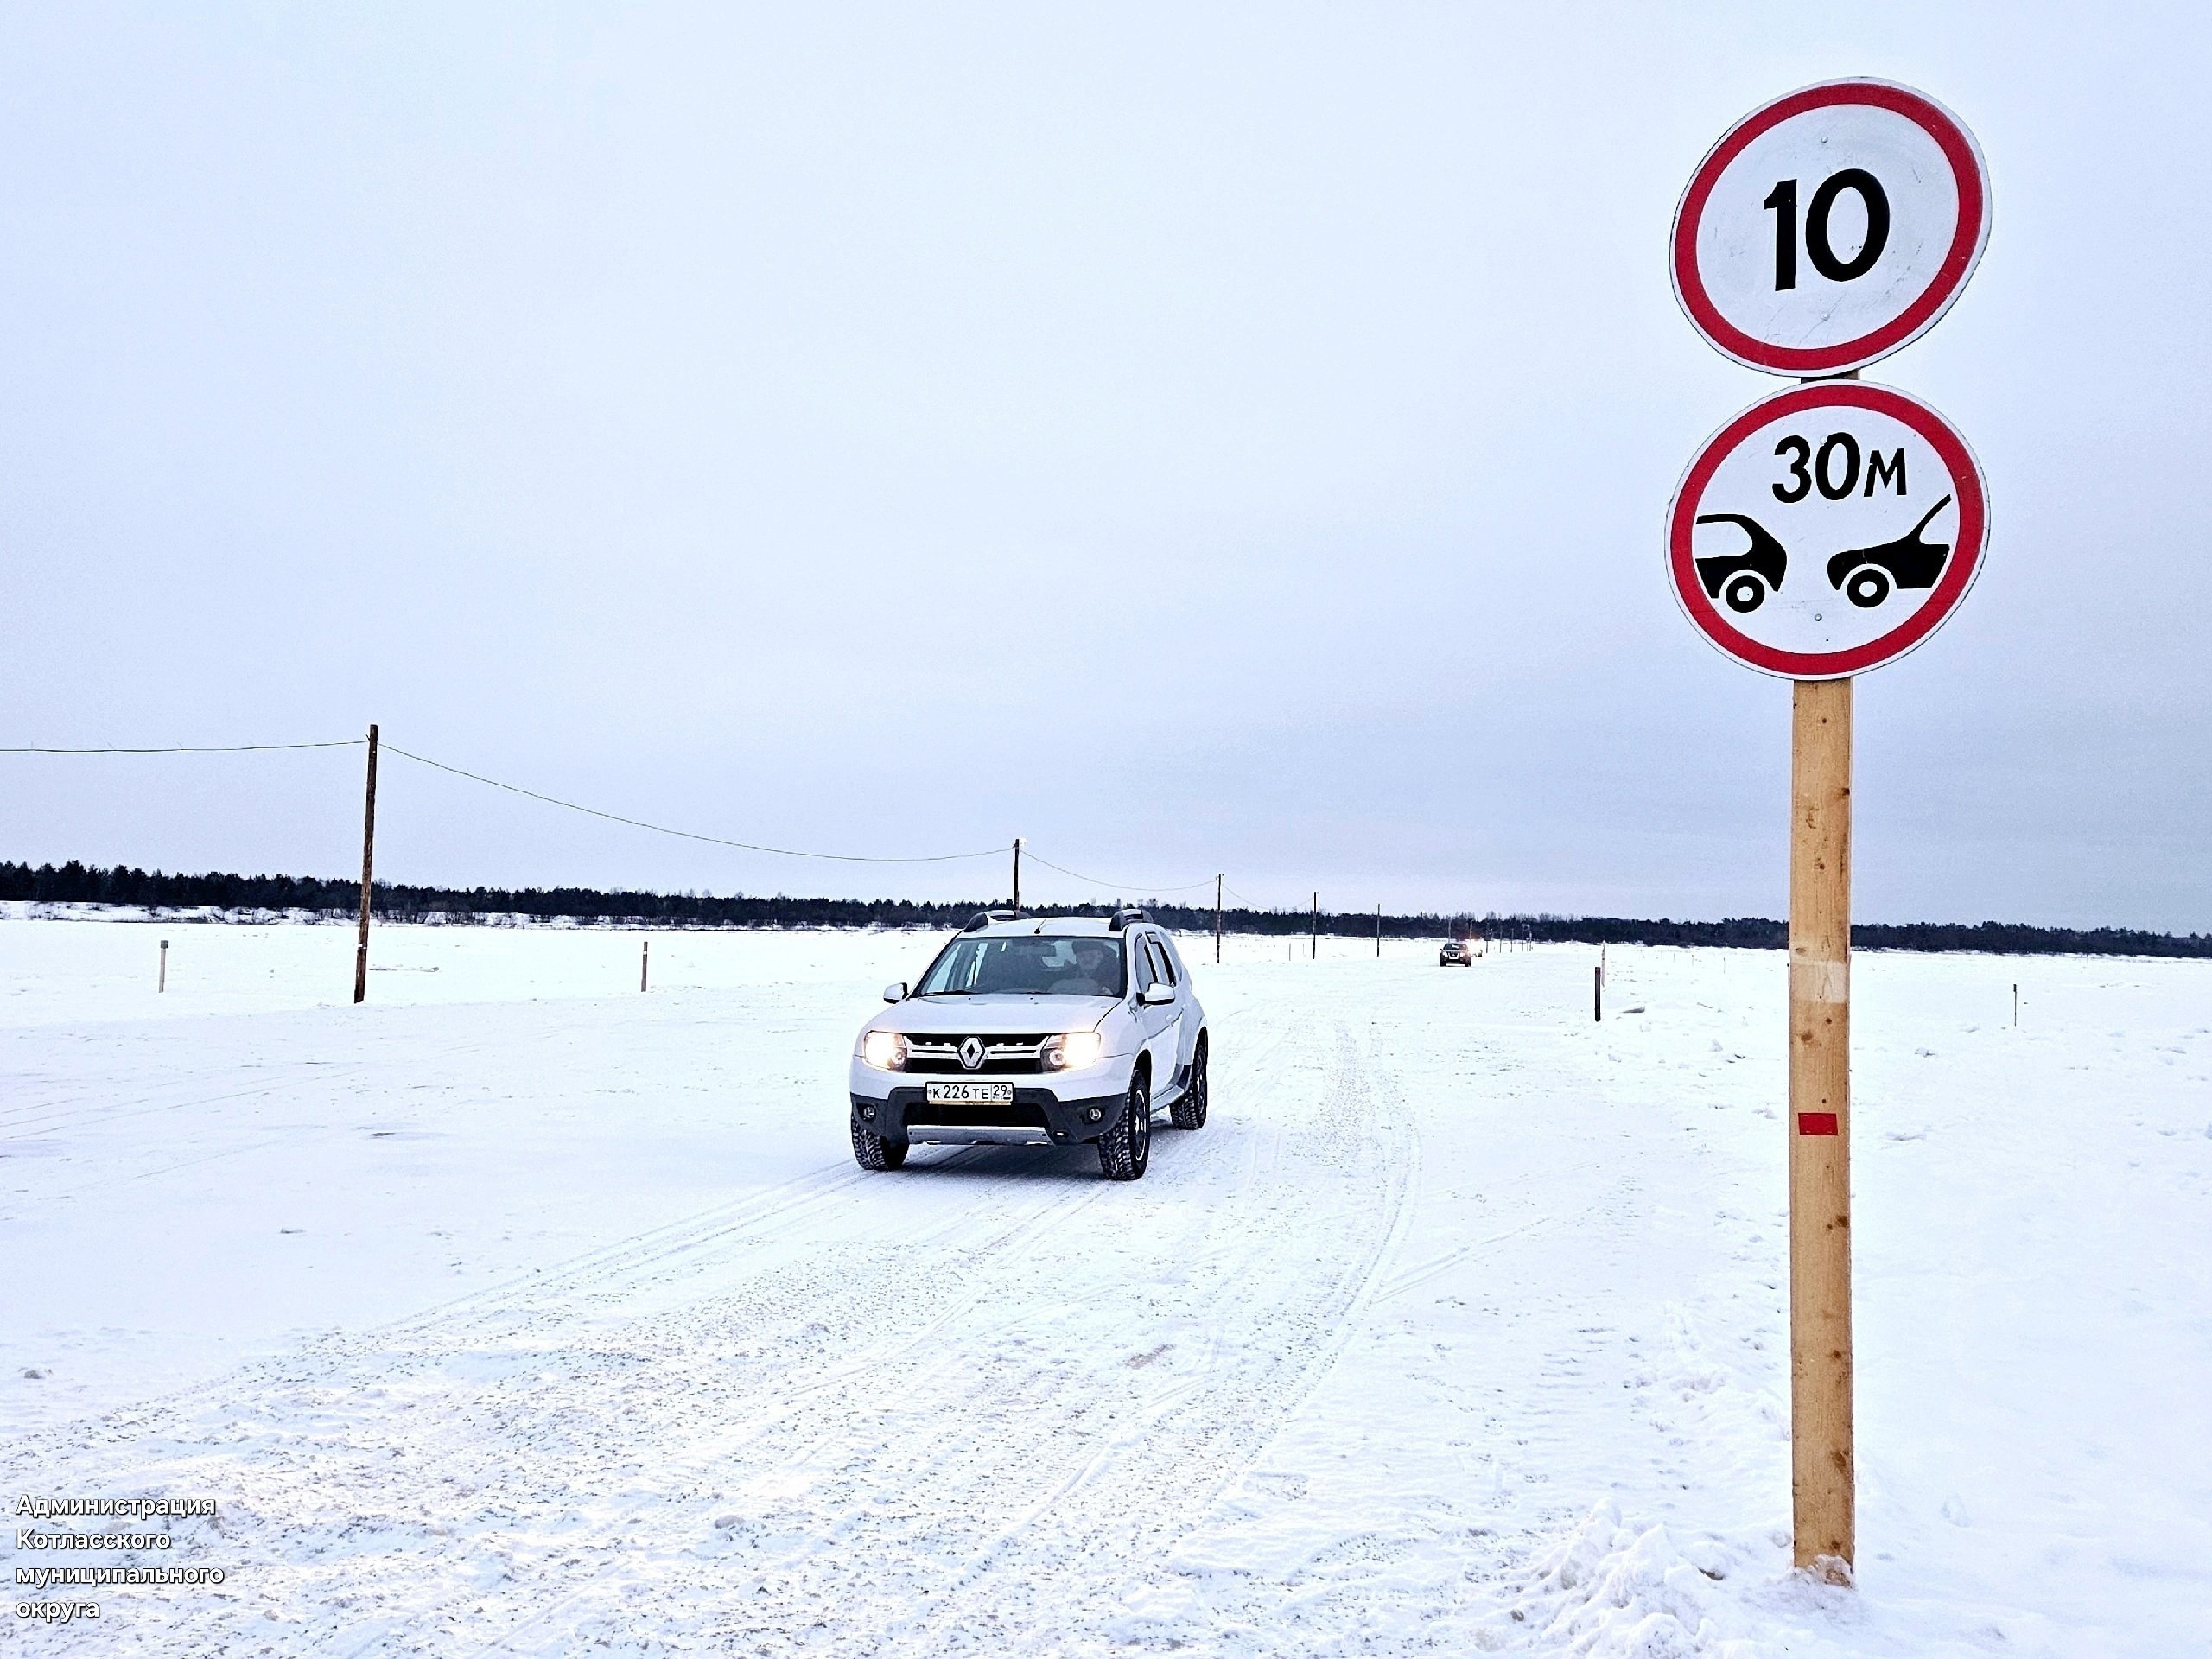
pixel 940 1056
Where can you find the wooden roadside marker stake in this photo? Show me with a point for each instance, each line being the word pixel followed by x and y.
pixel 1823 1456
pixel 644 963
pixel 162 977
pixel 1316 954
pixel 368 862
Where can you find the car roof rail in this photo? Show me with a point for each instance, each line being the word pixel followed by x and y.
pixel 985 918
pixel 1124 916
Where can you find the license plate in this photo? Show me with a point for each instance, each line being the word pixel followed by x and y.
pixel 970 1094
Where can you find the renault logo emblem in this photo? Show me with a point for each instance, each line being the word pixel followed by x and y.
pixel 971 1053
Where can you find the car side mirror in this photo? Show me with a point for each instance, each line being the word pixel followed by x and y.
pixel 1158 991
pixel 895 993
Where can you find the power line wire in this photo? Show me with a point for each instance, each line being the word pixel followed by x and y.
pixel 217 748
pixel 612 817
pixel 1118 887
pixel 689 835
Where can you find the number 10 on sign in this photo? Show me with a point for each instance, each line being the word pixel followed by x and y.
pixel 1830 228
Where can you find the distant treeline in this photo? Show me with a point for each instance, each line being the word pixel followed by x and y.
pixel 76 883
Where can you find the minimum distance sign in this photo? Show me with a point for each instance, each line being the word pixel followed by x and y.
pixel 1830 227
pixel 1827 530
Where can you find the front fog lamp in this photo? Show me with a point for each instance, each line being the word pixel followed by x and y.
pixel 1072 1051
pixel 883 1050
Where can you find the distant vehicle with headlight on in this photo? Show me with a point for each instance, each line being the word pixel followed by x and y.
pixel 1054 1031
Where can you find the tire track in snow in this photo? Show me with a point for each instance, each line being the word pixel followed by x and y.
pixel 308 1442
pixel 849 1376
pixel 1189 1443
pixel 833 1559
pixel 1098 1515
pixel 22 1122
pixel 317 1432
pixel 996 1462
pixel 602 1265
pixel 911 1417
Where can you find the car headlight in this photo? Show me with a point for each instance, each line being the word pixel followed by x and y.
pixel 883 1050
pixel 1072 1050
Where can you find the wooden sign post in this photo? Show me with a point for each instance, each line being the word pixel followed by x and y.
pixel 1823 1457
pixel 1823 533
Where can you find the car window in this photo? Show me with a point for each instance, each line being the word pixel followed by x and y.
pixel 1175 967
pixel 1140 965
pixel 1027 965
pixel 1162 969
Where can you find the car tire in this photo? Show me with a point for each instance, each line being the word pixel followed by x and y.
pixel 1125 1149
pixel 872 1151
pixel 1189 1111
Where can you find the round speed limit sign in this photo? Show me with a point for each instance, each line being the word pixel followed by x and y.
pixel 1831 227
pixel 1827 530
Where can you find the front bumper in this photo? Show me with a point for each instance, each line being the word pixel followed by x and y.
pixel 1038 1117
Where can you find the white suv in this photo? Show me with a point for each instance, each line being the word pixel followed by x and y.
pixel 1035 1030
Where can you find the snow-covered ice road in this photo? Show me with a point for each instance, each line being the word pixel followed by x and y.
pixel 512 1315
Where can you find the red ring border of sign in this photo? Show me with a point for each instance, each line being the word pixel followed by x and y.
pixel 1972 235
pixel 1958 575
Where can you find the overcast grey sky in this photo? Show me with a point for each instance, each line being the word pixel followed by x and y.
pixel 1193 438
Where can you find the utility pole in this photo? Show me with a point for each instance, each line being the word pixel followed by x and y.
pixel 368 860
pixel 1217 921
pixel 1378 929
pixel 1017 872
pixel 1316 956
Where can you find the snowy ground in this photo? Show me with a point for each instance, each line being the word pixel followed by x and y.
pixel 517 1312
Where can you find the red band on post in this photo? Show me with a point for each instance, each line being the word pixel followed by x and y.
pixel 1816 1123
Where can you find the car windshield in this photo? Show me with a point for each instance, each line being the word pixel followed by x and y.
pixel 1027 964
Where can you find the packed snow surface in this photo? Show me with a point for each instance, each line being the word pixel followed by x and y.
pixel 517 1312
